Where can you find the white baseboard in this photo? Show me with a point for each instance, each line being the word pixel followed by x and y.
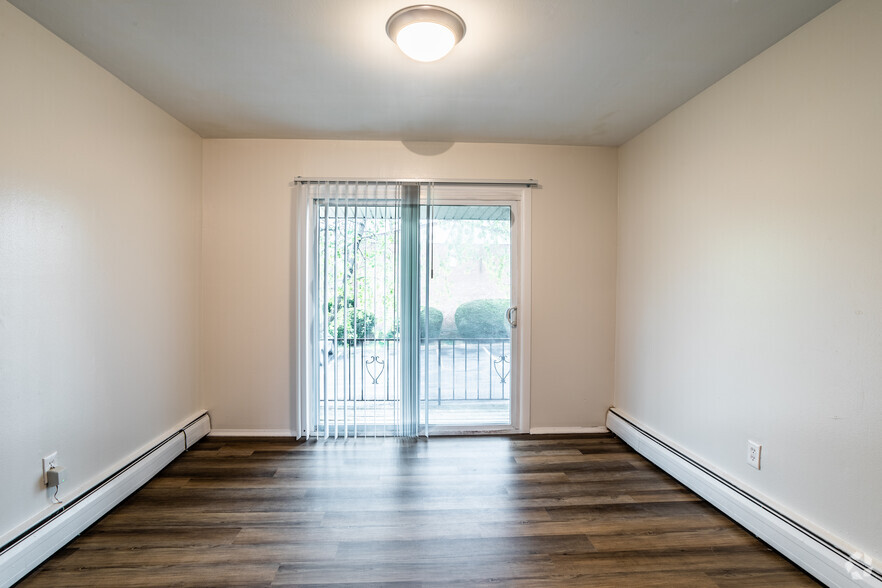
pixel 34 546
pixel 252 433
pixel 567 430
pixel 823 558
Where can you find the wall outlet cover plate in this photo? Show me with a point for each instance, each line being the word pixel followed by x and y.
pixel 49 462
pixel 754 453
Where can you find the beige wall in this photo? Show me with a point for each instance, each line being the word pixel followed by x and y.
pixel 99 268
pixel 246 266
pixel 750 274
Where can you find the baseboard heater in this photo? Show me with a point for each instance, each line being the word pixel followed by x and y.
pixel 818 556
pixel 33 546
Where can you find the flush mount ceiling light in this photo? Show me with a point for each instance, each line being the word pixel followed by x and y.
pixel 425 32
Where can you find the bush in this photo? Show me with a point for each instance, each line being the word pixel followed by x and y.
pixel 359 324
pixel 436 318
pixel 481 319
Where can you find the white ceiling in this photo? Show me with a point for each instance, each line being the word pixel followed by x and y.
pixel 572 72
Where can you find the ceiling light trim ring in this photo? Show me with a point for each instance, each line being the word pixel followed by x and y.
pixel 425 13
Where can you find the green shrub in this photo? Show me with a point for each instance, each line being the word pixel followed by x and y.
pixel 361 324
pixel 358 324
pixel 436 318
pixel 480 319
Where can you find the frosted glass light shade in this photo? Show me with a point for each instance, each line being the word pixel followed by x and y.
pixel 425 33
pixel 425 41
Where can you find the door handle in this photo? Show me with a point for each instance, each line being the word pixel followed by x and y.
pixel 511 315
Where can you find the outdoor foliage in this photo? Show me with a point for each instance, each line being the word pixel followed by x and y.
pixel 358 257
pixel 358 323
pixel 360 261
pixel 477 247
pixel 436 318
pixel 482 318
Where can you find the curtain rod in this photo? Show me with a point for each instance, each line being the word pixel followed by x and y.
pixel 437 182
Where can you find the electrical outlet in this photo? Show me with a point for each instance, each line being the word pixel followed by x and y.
pixel 754 452
pixel 49 462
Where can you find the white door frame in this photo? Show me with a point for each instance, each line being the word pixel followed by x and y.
pixel 518 198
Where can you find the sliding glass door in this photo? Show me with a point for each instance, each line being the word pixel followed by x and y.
pixel 470 337
pixel 413 307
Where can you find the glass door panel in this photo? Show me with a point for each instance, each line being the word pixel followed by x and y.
pixel 460 348
pixel 468 347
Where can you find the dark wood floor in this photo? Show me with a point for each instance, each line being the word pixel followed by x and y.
pixel 454 511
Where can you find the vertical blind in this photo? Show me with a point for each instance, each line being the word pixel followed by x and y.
pixel 362 259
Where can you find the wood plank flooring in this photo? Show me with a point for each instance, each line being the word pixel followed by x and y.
pixel 448 511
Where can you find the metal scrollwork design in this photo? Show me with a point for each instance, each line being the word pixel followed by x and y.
pixel 375 361
pixel 500 367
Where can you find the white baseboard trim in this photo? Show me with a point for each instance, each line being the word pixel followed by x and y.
pixel 252 433
pixel 36 544
pixel 567 430
pixel 823 558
